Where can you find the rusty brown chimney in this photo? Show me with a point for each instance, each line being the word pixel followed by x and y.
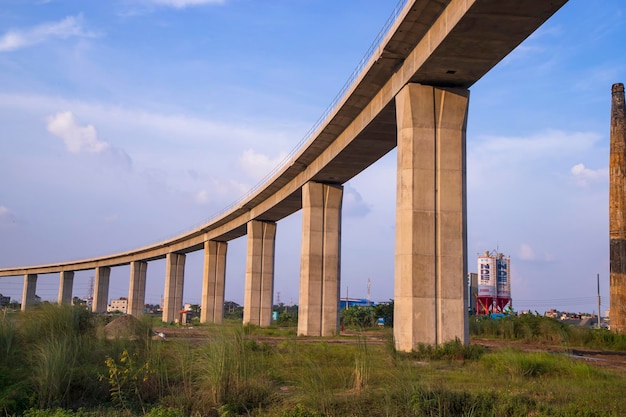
pixel 617 210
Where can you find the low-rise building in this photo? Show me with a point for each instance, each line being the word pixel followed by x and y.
pixel 120 305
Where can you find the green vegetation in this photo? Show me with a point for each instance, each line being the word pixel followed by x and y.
pixel 536 328
pixel 56 362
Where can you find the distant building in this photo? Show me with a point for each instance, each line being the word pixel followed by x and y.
pixel 120 305
pixel 4 301
pixel 555 314
pixel 351 302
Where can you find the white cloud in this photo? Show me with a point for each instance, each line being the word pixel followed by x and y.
pixel 84 139
pixel 181 4
pixel 76 138
pixel 71 26
pixel 257 165
pixel 583 175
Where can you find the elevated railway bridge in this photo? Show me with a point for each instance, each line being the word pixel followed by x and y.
pixel 410 91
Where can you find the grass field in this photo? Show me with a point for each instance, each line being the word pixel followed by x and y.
pixel 56 361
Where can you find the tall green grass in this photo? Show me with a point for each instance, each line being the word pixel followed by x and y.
pixel 535 328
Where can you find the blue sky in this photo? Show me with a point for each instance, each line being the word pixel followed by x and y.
pixel 129 121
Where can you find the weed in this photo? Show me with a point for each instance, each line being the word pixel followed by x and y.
pixel 124 377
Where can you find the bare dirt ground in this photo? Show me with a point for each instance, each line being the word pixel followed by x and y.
pixel 602 358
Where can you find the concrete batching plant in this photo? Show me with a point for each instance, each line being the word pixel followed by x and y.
pixel 494 283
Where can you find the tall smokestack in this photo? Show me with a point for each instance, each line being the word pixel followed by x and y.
pixel 617 210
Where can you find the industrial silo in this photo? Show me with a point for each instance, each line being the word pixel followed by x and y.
pixel 486 284
pixel 503 278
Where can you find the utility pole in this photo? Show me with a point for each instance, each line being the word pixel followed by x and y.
pixel 599 315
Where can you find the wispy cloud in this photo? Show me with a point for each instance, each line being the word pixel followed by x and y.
pixel 527 253
pixel 502 160
pixel 583 176
pixel 257 165
pixel 71 26
pixel 542 144
pixel 181 4
pixel 353 203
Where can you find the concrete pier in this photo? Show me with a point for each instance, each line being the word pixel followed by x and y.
pixel 430 259
pixel 213 281
pixel 174 283
pixel 101 289
pixel 617 210
pixel 137 288
pixel 258 297
pixel 318 313
pixel 28 293
pixel 66 282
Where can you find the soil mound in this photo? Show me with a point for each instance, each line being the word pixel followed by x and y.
pixel 125 327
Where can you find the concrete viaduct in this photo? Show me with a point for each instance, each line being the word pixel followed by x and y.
pixel 410 91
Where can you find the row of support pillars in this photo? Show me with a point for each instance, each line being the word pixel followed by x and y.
pixel 430 247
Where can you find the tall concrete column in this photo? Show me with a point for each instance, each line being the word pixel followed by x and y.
pixel 617 211
pixel 431 228
pixel 258 297
pixel 137 288
pixel 28 294
pixel 66 281
pixel 174 283
pixel 318 313
pixel 213 279
pixel 101 289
